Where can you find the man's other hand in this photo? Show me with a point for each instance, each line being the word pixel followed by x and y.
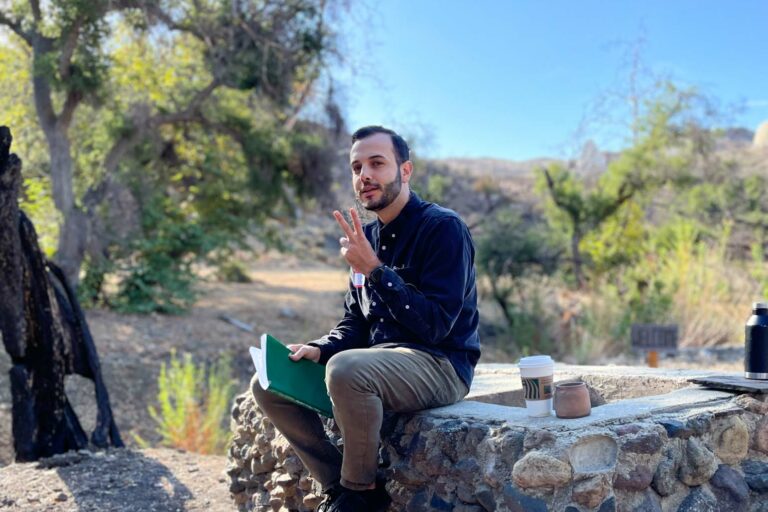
pixel 304 352
pixel 355 248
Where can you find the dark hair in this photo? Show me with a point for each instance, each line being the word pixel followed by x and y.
pixel 402 153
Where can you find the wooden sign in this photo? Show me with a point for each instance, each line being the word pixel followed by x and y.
pixel 660 338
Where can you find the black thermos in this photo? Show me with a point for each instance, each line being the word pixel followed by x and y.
pixel 756 348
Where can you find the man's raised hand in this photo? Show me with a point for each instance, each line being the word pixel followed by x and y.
pixel 355 248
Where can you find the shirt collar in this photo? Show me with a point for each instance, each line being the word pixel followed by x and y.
pixel 402 220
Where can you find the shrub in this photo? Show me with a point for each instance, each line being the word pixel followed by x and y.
pixel 193 405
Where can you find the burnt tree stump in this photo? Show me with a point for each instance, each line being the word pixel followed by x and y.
pixel 45 333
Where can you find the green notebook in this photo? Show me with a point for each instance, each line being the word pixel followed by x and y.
pixel 301 381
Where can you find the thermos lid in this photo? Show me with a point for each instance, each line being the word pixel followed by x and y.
pixel 760 305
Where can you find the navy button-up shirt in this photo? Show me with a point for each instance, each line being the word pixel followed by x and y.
pixel 426 296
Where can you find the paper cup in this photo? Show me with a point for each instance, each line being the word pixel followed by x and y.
pixel 536 373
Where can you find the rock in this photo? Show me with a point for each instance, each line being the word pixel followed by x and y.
pixel 305 483
pixel 637 479
pixel 511 444
pixel 608 505
pixel 467 469
pixel 418 503
pixel 629 501
pixel 61 497
pixel 293 465
pixel 591 492
pixel 285 480
pixel 700 425
pixel 732 443
pixel 516 501
pixel 676 428
pixel 263 465
pixel 750 404
pixel 756 475
pixel 761 435
pixel 463 507
pixel 648 442
pixel 537 439
pixel 438 503
pixel 665 477
pixel 311 501
pixel 593 454
pixel 624 430
pixel 539 469
pixel 730 480
pixel 486 500
pixel 698 464
pixel 698 500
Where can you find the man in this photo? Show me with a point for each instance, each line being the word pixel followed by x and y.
pixel 408 340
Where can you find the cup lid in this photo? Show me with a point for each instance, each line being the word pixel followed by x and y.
pixel 760 305
pixel 535 361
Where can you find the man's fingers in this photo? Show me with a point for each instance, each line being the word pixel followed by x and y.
pixel 298 351
pixel 343 223
pixel 356 221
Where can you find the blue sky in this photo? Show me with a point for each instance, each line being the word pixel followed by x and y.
pixel 514 79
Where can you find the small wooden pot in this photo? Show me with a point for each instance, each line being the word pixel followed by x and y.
pixel 572 400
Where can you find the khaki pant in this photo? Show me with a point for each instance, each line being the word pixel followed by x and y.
pixel 362 383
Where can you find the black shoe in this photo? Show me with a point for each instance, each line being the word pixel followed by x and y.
pixel 331 495
pixel 373 500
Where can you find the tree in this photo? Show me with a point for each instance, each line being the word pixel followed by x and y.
pixel 509 249
pixel 252 60
pixel 671 138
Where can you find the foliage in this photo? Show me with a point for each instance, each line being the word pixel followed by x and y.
pixel 193 402
pixel 233 272
pixel 509 251
pixel 145 104
pixel 671 140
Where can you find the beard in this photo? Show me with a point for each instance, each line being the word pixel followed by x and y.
pixel 389 193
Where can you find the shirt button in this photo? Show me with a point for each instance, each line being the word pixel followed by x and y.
pixel 407 306
pixel 393 235
pixel 373 303
pixel 383 247
pixel 381 319
pixel 389 284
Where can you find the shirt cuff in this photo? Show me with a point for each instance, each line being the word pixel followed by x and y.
pixel 326 351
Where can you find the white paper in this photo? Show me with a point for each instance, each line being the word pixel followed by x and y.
pixel 259 357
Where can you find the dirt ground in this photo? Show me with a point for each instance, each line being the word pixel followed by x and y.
pixel 292 299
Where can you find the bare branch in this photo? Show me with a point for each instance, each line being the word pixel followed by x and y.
pixel 191 112
pixel 555 196
pixel 291 121
pixel 70 104
pixel 36 13
pixel 15 25
pixel 154 10
pixel 144 123
pixel 68 49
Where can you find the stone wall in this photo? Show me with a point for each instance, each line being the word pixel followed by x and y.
pixel 688 450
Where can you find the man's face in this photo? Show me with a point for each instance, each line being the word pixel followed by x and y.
pixel 376 177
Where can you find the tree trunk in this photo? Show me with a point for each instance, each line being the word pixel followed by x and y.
pixel 45 333
pixel 576 256
pixel 73 231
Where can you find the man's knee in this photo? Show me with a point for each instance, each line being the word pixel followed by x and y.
pixel 347 370
pixel 260 395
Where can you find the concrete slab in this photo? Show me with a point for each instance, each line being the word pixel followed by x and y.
pixel 624 411
pixel 500 383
